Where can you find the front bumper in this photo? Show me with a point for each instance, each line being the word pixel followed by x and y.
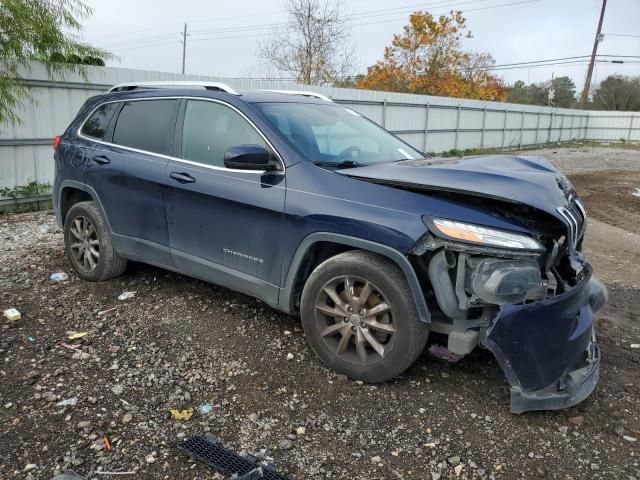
pixel 548 349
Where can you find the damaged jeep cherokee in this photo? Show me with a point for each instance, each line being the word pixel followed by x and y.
pixel 319 212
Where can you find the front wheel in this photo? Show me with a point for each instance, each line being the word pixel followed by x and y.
pixel 359 317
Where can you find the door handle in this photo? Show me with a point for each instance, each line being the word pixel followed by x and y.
pixel 101 159
pixel 182 177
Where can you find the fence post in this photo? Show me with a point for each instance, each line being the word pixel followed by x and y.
pixel 586 127
pixel 426 127
pixel 384 113
pixel 630 127
pixel 484 120
pixel 521 128
pixel 537 129
pixel 504 129
pixel 561 127
pixel 455 146
pixel 550 127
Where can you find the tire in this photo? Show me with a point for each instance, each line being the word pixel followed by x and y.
pixel 85 226
pixel 398 330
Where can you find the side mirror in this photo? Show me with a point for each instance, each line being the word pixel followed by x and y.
pixel 250 157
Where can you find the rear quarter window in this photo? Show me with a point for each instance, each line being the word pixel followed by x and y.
pixel 146 125
pixel 96 125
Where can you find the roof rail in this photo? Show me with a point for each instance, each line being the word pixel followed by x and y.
pixel 221 87
pixel 302 93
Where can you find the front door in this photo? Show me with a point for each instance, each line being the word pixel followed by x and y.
pixel 225 225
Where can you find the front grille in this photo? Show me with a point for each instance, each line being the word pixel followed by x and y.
pixel 575 218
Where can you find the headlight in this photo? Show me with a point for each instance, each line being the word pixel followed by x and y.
pixel 467 232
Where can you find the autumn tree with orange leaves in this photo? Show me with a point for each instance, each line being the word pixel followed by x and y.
pixel 428 58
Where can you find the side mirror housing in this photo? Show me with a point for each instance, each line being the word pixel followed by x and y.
pixel 250 157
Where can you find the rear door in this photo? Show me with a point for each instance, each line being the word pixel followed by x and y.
pixel 126 170
pixel 225 225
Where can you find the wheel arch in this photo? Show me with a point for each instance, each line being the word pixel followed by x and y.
pixel 72 192
pixel 307 257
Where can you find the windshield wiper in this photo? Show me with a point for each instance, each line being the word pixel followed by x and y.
pixel 343 164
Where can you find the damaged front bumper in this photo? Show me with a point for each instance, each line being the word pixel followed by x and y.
pixel 548 349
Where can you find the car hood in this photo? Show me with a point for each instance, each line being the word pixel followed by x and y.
pixel 531 181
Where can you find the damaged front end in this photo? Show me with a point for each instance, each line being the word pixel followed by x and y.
pixel 530 300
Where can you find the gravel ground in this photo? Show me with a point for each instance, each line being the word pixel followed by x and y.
pixel 180 343
pixel 590 158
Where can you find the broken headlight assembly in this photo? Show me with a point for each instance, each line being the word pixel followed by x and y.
pixel 467 232
pixel 492 266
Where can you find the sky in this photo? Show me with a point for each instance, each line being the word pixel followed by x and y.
pixel 224 36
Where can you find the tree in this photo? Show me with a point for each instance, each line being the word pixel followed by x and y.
pixel 518 93
pixel 428 58
pixel 564 93
pixel 41 30
pixel 617 92
pixel 313 46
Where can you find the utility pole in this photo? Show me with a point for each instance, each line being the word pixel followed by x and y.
pixel 184 45
pixel 587 83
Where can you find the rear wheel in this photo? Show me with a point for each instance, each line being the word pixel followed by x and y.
pixel 89 244
pixel 359 316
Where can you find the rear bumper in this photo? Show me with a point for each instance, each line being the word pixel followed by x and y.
pixel 548 349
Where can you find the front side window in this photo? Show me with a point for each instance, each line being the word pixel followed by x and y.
pixel 209 129
pixel 333 134
pixel 96 125
pixel 146 125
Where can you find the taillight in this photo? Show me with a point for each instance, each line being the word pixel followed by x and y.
pixel 56 142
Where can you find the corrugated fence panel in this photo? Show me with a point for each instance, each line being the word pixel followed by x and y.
pixel 432 124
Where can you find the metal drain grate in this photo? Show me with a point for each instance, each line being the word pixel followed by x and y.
pixel 224 461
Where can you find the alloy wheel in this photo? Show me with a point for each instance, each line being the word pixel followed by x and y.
pixel 355 320
pixel 85 246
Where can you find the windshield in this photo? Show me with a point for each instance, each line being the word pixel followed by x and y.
pixel 334 135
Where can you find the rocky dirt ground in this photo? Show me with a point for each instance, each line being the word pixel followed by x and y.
pixel 180 343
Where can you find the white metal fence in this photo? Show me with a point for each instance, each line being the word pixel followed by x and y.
pixel 431 124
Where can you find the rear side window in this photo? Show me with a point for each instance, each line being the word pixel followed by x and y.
pixel 209 129
pixel 146 125
pixel 97 124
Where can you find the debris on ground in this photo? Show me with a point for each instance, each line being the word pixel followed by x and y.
pixel 59 277
pixel 109 310
pixel 106 443
pixel 205 408
pixel 126 295
pixel 440 351
pixel 181 414
pixel 635 345
pixel 73 335
pixel 12 314
pixel 69 475
pixel 636 193
pixel 69 402
pixel 227 462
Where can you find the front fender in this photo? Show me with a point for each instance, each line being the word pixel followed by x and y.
pixel 285 295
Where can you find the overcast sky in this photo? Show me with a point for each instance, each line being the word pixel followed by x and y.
pixel 225 35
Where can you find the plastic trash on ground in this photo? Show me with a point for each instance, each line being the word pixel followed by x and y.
pixel 59 277
pixel 12 314
pixel 181 414
pixel 205 408
pixel 73 335
pixel 68 475
pixel 69 402
pixel 126 295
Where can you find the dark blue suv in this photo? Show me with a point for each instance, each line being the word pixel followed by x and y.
pixel 319 212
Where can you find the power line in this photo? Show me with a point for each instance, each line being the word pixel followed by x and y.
pixel 353 17
pixel 620 35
